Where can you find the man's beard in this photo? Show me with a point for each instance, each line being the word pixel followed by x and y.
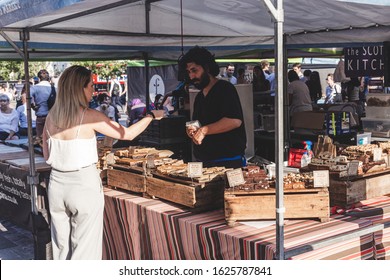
pixel 202 83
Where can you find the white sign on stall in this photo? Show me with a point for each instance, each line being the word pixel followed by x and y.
pixel 321 178
pixel 195 169
pixel 353 168
pixel 235 177
pixel 150 162
pixel 377 154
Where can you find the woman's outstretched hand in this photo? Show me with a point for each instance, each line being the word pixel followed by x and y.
pixel 158 114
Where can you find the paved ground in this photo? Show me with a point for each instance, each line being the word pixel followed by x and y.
pixel 16 243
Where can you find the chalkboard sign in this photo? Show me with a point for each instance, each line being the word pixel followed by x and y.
pixel 364 61
pixel 15 194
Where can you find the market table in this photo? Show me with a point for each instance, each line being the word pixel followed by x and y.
pixel 140 228
pixel 377 210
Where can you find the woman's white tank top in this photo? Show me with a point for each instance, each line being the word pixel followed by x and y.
pixel 73 154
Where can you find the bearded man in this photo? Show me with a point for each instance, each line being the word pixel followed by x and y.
pixel 220 140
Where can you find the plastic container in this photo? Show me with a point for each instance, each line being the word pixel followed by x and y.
pixel 363 138
pixel 378 127
pixel 377 112
pixel 305 160
pixel 271 169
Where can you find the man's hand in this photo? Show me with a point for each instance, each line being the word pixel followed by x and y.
pixel 191 131
pixel 199 135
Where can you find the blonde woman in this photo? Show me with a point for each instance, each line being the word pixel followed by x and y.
pixel 69 145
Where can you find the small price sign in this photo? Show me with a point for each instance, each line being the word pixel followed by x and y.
pixel 353 167
pixel 195 169
pixel 110 158
pixel 235 177
pixel 321 178
pixel 150 162
pixel 377 154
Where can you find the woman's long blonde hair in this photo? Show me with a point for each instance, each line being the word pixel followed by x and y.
pixel 70 96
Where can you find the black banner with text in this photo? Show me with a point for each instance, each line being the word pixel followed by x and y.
pixel 364 61
pixel 15 194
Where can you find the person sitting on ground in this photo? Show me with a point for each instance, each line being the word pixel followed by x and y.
pixel 9 119
pixel 22 112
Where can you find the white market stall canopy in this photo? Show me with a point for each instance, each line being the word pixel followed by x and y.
pixel 113 29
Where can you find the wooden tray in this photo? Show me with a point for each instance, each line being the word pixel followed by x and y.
pixel 260 204
pixel 126 178
pixel 202 196
pixel 344 193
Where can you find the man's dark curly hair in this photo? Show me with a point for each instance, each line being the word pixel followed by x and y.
pixel 200 56
pixel 43 75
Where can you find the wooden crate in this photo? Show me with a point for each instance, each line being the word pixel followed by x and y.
pixel 260 204
pixel 344 193
pixel 126 178
pixel 202 196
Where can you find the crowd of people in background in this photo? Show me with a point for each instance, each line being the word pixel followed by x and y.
pixel 304 87
pixel 13 113
pixel 304 90
pixel 13 105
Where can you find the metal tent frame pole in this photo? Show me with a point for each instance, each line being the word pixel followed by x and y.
pixel 278 15
pixel 32 179
pixel 145 54
pixel 147 95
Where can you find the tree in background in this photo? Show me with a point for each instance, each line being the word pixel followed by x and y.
pixel 14 70
pixel 107 68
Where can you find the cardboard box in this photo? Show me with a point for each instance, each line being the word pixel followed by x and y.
pixel 308 120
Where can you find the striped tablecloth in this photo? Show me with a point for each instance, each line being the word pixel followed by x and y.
pixel 377 210
pixel 141 228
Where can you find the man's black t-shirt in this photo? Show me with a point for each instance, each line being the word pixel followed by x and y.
pixel 221 101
